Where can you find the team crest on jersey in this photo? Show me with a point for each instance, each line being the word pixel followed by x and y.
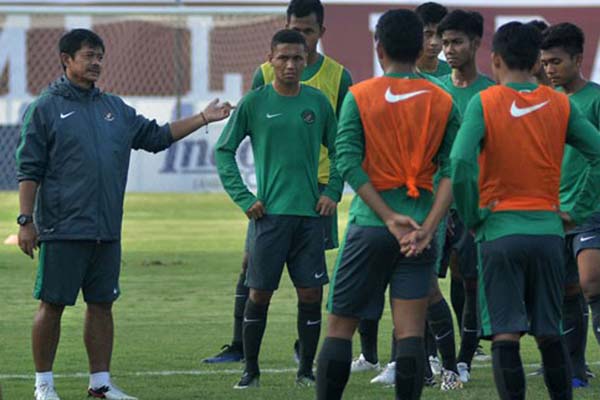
pixel 308 116
pixel 109 117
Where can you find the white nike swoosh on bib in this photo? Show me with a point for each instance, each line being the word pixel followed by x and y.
pixel 394 98
pixel 317 276
pixel 519 112
pixel 63 116
pixel 269 116
pixel 585 239
pixel 310 323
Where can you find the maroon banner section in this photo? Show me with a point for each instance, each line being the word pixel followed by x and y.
pixel 349 40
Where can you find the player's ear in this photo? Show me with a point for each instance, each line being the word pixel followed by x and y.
pixel 537 66
pixel 379 50
pixel 578 60
pixel 496 60
pixel 476 43
pixel 270 56
pixel 323 30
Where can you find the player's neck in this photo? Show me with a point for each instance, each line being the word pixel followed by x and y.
pixel 286 89
pixel 516 76
pixel 426 64
pixel 399 68
pixel 82 83
pixel 575 85
pixel 465 75
pixel 312 58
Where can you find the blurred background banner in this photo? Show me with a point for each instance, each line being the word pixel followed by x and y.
pixel 169 58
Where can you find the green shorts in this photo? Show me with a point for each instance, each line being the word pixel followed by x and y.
pixel 276 240
pixel 370 260
pixel 521 285
pixel 67 266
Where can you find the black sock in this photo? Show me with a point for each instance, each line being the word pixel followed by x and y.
pixel 430 345
pixel 440 322
pixel 469 336
pixel 595 307
pixel 368 339
pixel 393 350
pixel 309 330
pixel 255 322
pixel 508 370
pixel 241 295
pixel 410 368
pixel 333 368
pixel 557 374
pixel 573 333
pixel 457 298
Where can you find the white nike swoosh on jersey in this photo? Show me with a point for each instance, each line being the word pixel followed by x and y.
pixel 585 239
pixel 519 112
pixel 310 323
pixel 251 320
pixel 318 276
pixel 269 116
pixel 394 98
pixel 63 116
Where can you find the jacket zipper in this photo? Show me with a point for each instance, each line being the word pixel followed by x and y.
pixel 98 161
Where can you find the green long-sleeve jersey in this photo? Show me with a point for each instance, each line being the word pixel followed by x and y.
pixel 286 134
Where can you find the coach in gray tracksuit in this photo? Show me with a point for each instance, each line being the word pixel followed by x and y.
pixel 72 162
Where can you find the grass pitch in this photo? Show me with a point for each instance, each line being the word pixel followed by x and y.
pixel 181 259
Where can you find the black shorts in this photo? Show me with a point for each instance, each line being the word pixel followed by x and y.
pixel 521 285
pixel 454 237
pixel 65 266
pixel 297 241
pixel 575 243
pixel 463 243
pixel 368 261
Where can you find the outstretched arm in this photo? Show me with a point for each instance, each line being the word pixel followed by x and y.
pixel 214 111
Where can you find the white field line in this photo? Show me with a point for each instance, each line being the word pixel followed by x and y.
pixel 206 372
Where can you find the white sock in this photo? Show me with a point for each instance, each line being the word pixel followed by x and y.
pixel 99 379
pixel 44 378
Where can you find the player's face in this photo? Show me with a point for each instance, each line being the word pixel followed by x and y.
pixel 288 60
pixel 309 28
pixel 85 66
pixel 458 48
pixel 432 43
pixel 560 67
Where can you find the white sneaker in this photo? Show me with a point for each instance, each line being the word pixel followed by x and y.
pixel 450 381
pixel 480 355
pixel 463 372
pixel 387 376
pixel 45 392
pixel 110 392
pixel 362 365
pixel 436 365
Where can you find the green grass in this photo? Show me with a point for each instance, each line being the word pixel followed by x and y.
pixel 181 259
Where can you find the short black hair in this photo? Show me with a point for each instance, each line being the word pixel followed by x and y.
pixel 468 22
pixel 400 32
pixel 303 8
pixel 566 35
pixel 431 13
pixel 538 23
pixel 75 39
pixel 285 36
pixel 518 44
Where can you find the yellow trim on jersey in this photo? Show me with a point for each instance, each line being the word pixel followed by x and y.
pixel 327 80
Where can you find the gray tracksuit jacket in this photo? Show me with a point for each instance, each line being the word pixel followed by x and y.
pixel 76 144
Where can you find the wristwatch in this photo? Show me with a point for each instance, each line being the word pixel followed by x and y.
pixel 24 219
